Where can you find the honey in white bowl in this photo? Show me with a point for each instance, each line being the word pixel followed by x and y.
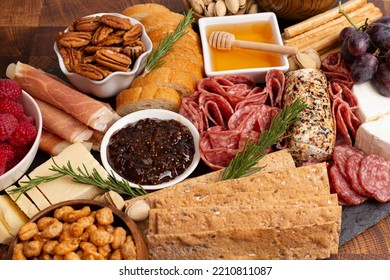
pixel 237 58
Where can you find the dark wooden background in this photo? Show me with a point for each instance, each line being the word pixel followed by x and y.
pixel 27 32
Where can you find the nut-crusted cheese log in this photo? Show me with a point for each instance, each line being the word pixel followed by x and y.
pixel 313 134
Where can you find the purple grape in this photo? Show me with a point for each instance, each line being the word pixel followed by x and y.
pixel 385 20
pixel 358 43
pixel 345 33
pixel 382 79
pixel 380 35
pixel 345 52
pixel 364 68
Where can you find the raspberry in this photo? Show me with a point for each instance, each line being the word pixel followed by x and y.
pixel 19 154
pixel 23 135
pixel 10 89
pixel 8 124
pixel 7 155
pixel 11 107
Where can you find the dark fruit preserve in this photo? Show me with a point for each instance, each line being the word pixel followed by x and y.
pixel 151 151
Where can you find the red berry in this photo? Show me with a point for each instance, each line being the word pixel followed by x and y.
pixel 23 135
pixel 8 124
pixel 19 154
pixel 10 89
pixel 3 163
pixel 7 155
pixel 11 107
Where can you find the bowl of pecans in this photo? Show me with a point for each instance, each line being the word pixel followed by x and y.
pixel 101 54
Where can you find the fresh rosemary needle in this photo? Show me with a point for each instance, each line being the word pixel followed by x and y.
pixel 165 45
pixel 243 163
pixel 83 176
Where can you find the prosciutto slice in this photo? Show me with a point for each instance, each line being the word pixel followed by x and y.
pixel 40 85
pixel 52 144
pixel 63 124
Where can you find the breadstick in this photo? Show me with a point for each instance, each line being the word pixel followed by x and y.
pixel 322 18
pixel 330 27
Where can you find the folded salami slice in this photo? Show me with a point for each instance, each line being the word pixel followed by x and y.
pixel 343 188
pixel 374 177
pixel 337 69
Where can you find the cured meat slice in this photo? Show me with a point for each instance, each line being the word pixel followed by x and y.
pixel 336 69
pixel 374 177
pixel 52 144
pixel 343 188
pixel 346 122
pixel 86 109
pixel 341 154
pixel 341 91
pixel 275 81
pixel 352 169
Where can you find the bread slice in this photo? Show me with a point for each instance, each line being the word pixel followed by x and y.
pixel 140 11
pixel 297 242
pixel 150 96
pixel 185 65
pixel 167 77
pixel 275 161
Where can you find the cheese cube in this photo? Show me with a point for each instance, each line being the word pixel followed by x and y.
pixel 374 137
pixel 10 215
pixel 372 105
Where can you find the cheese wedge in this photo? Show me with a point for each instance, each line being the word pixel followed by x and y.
pixel 35 195
pixel 10 215
pixel 374 137
pixel 24 203
pixel 5 236
pixel 372 105
pixel 64 188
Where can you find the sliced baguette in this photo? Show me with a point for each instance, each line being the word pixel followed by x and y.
pixel 146 97
pixel 167 77
pixel 140 11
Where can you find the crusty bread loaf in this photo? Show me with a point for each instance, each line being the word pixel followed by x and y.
pixel 187 66
pixel 167 77
pixel 139 11
pixel 157 20
pixel 150 96
pixel 298 242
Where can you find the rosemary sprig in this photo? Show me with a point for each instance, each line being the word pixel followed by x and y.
pixel 244 161
pixel 165 45
pixel 82 176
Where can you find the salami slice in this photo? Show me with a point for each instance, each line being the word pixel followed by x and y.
pixel 343 188
pixel 352 169
pixel 341 154
pixel 374 177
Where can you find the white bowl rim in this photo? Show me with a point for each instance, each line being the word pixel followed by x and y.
pixel 233 19
pixel 115 73
pixel 38 125
pixel 153 114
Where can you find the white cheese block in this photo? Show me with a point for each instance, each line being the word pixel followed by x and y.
pixel 10 215
pixel 35 195
pixel 5 236
pixel 374 137
pixel 24 202
pixel 64 188
pixel 372 105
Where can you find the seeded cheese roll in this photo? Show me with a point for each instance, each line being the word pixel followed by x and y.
pixel 313 135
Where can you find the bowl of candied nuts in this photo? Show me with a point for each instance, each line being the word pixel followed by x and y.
pixel 79 230
pixel 101 54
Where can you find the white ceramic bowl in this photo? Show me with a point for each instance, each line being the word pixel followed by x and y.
pixel 157 114
pixel 258 74
pixel 11 176
pixel 116 81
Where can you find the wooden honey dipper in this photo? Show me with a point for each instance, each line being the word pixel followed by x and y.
pixel 222 40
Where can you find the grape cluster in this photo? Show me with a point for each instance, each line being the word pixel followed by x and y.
pixel 367 49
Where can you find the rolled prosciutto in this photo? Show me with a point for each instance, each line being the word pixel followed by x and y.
pixel 43 86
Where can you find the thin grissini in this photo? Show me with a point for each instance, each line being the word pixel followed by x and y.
pixel 63 124
pixel 87 110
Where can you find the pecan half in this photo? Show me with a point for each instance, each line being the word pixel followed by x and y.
pixel 132 35
pixel 111 40
pixel 134 50
pixel 100 34
pixel 87 24
pixel 93 49
pixel 91 71
pixel 71 57
pixel 74 39
pixel 116 22
pixel 113 60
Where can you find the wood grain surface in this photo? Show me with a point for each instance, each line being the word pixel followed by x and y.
pixel 27 32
